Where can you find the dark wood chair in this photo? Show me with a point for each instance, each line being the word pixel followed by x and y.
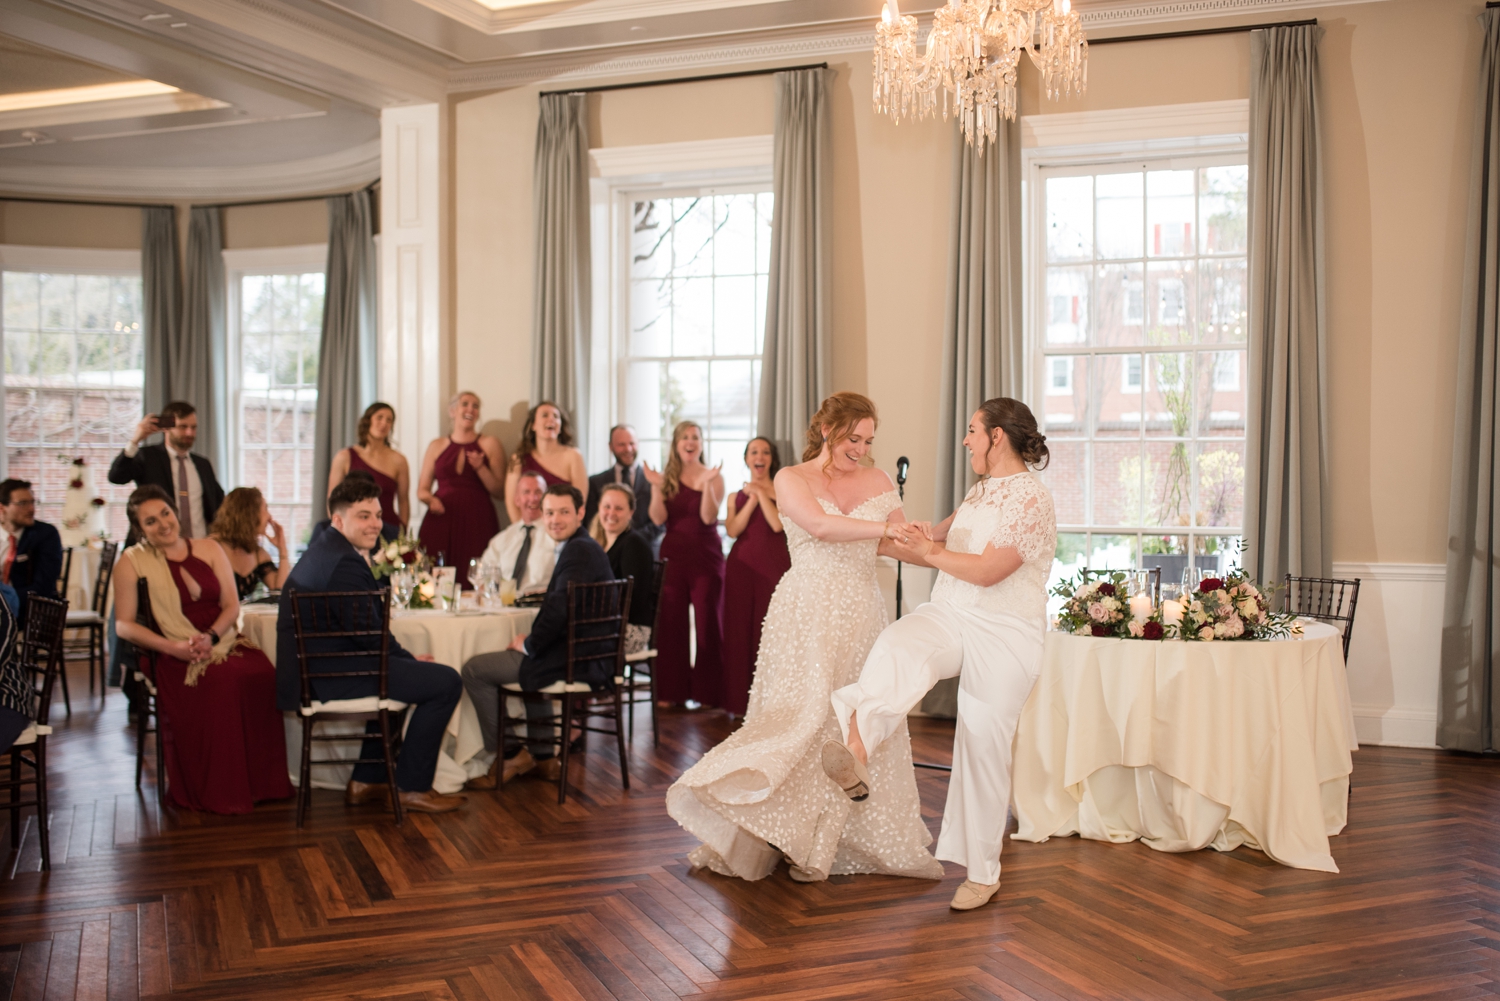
pixel 64 579
pixel 1327 599
pixel 639 678
pixel 348 615
pixel 41 659
pixel 147 719
pixel 92 620
pixel 596 632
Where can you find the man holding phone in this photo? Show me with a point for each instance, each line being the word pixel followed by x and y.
pixel 189 479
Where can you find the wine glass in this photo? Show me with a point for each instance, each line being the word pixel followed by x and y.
pixel 1191 576
pixel 402 583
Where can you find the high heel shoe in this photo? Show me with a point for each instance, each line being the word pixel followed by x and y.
pixel 844 768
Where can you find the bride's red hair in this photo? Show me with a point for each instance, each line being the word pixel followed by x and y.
pixel 840 413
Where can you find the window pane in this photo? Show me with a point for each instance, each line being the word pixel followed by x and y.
pixel 1113 552
pixel 1117 482
pixel 692 236
pixel 1067 305
pixel 1221 297
pixel 1169 396
pixel 22 302
pixel 734 237
pixel 1223 195
pixel 651 239
pixel 1064 476
pixel 1221 483
pixel 1065 405
pixel 734 315
pixel 1120 214
pixel 57 302
pixel 686 394
pixel 1170 302
pixel 1070 218
pixel 1118 380
pixel 1169 213
pixel 733 403
pixel 651 317
pixel 1120 305
pixel 693 316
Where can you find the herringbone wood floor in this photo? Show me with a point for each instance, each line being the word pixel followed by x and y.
pixel 516 897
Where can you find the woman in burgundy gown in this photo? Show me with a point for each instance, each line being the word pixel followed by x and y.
pixel 465 467
pixel 752 571
pixel 546 448
pixel 372 453
pixel 685 497
pixel 222 737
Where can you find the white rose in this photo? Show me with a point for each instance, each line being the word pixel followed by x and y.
pixel 1137 628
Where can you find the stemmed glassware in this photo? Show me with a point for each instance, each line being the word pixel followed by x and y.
pixel 1191 577
pixel 402 583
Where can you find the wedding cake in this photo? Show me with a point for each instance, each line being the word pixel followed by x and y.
pixel 83 508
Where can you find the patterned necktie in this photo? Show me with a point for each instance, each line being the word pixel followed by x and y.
pixel 184 508
pixel 10 558
pixel 520 571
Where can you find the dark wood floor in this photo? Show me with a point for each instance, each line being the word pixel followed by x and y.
pixel 516 897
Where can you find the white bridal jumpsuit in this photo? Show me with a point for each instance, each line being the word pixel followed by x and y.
pixel 991 639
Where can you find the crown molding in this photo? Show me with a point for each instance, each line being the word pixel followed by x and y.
pixel 696 155
pixel 1135 125
pixel 546 16
pixel 349 168
pixel 1128 14
pixel 86 112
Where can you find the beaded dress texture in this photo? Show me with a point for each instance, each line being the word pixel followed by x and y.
pixel 762 794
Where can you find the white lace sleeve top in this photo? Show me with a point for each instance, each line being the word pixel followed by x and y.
pixel 1007 511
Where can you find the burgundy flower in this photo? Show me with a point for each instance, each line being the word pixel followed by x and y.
pixel 1210 584
pixel 1100 629
pixel 78 461
pixel 76 484
pixel 1151 630
pixel 1108 589
pixel 97 502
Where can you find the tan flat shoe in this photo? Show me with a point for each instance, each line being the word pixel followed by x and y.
pixel 971 895
pixel 844 768
pixel 801 875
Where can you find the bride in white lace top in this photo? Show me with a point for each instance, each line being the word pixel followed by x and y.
pixel 761 795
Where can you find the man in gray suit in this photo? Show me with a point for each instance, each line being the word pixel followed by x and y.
pixel 627 470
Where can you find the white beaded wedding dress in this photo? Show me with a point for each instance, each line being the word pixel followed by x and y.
pixel 762 795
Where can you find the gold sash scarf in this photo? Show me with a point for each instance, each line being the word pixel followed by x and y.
pixel 166 607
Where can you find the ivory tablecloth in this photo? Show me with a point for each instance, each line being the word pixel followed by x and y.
pixel 451 639
pixel 1189 745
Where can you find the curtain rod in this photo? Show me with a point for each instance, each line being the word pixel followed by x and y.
pixel 1231 30
pixel 163 205
pixel 682 79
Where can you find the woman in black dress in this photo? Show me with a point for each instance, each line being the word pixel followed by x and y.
pixel 629 556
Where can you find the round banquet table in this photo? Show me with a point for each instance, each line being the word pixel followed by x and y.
pixel 1187 745
pixel 452 640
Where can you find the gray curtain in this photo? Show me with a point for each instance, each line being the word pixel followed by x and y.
pixel 561 301
pixel 1286 482
pixel 197 363
pixel 346 358
pixel 794 373
pixel 161 299
pixel 982 335
pixel 1469 701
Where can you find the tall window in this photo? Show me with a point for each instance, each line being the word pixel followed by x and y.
pixel 73 373
pixel 696 288
pixel 1141 333
pixel 276 334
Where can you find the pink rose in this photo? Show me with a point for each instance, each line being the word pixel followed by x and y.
pixel 1098 612
pixel 1136 628
pixel 1206 633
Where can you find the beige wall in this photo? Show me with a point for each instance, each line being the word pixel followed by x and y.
pixel 1397 81
pixel 96 227
pixel 282 224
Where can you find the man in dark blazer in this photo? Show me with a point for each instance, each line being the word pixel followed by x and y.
pixel 628 470
pixel 540 658
pixel 337 561
pixel 187 478
pixel 32 557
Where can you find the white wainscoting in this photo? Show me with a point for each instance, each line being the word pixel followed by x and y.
pixel 1393 659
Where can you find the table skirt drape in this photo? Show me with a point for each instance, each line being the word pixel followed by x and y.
pixel 1189 745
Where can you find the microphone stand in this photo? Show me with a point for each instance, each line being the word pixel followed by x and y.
pixel 901 467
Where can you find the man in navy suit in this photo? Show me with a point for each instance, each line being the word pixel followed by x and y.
pixel 187 478
pixel 627 469
pixel 32 557
pixel 337 561
pixel 539 659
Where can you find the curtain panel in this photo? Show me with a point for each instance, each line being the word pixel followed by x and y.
pixel 561 299
pixel 1286 497
pixel 161 300
pixel 197 364
pixel 346 356
pixel 1469 701
pixel 794 373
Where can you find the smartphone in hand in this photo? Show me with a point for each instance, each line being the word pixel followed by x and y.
pixel 166 421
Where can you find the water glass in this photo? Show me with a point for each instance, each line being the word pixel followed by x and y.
pixel 1191 576
pixel 1171 592
pixel 401 586
pixel 1139 582
pixel 507 592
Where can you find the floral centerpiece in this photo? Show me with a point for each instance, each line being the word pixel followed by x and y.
pixel 404 559
pixel 1231 607
pixel 1099 607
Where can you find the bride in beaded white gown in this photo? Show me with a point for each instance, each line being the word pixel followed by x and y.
pixel 762 795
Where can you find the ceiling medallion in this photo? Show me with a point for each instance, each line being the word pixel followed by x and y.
pixel 972 55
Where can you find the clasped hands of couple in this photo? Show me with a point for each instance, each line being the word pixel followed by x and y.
pixel 910 541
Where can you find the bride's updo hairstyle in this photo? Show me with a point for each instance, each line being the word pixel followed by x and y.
pixel 1019 424
pixel 840 412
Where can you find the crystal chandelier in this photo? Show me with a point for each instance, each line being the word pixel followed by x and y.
pixel 971 56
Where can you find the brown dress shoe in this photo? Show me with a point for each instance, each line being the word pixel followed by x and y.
pixel 430 802
pixel 489 780
pixel 549 769
pixel 515 767
pixel 356 793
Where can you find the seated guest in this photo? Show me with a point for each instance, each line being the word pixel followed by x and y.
pixel 629 556
pixel 537 660
pixel 338 560
pixel 222 737
pixel 32 558
pixel 627 471
pixel 327 523
pixel 16 707
pixel 523 551
pixel 243 519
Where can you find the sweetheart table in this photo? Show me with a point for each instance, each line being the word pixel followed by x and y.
pixel 451 639
pixel 1187 745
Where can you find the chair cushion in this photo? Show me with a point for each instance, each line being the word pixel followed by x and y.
pixel 633 683
pixel 144 679
pixel 640 655
pixel 84 617
pixel 556 688
pixel 29 735
pixel 369 704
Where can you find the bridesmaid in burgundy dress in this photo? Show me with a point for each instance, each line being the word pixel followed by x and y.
pixel 222 737
pixel 752 571
pixel 466 466
pixel 546 448
pixel 685 497
pixel 387 467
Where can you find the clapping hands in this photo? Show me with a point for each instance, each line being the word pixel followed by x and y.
pixel 653 476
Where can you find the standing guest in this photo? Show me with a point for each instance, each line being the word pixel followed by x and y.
pixel 685 497
pixel 546 448
pixel 539 659
pixel 523 551
pixel 187 478
pixel 243 520
pixel 466 465
pixel 626 470
pixel 33 554
pixel 372 453
pixel 629 556
pixel 222 737
pixel 339 561
pixel 752 571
